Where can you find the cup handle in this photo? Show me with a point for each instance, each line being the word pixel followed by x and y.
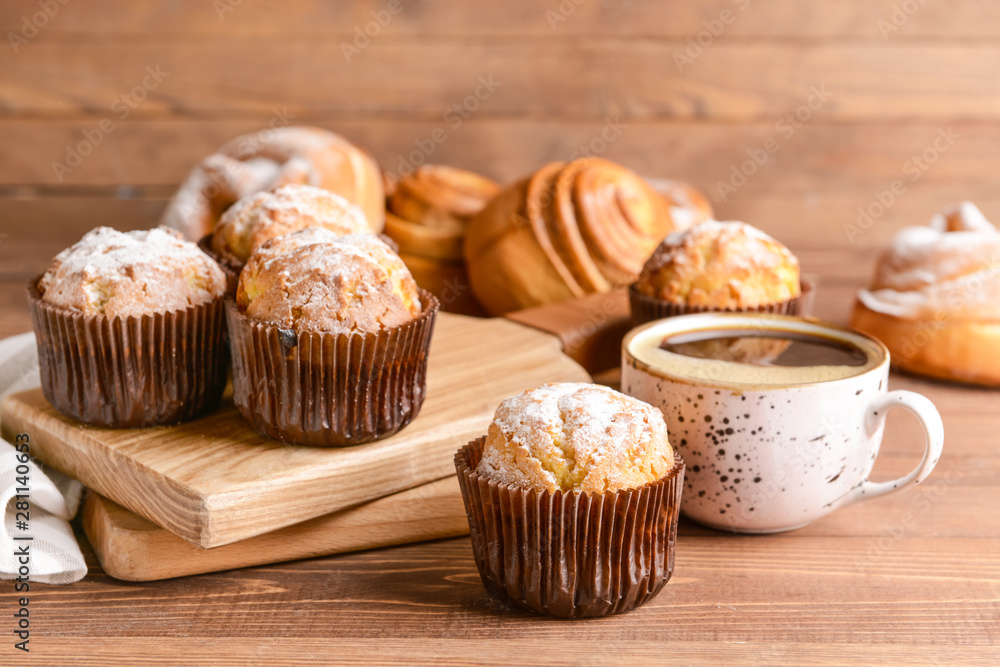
pixel 929 418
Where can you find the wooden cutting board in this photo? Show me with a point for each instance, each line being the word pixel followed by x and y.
pixel 215 481
pixel 132 548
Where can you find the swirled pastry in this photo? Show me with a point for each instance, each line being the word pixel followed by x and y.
pixel 271 158
pixel 688 206
pixel 935 298
pixel 427 215
pixel 567 230
pixel 429 210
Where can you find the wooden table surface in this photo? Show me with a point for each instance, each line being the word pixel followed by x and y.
pixel 915 575
pixel 861 96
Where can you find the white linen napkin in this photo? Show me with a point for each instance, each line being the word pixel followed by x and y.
pixel 51 555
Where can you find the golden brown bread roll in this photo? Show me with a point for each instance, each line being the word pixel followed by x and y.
pixel 440 196
pixel 269 159
pixel 567 230
pixel 427 215
pixel 688 206
pixel 429 210
pixel 935 298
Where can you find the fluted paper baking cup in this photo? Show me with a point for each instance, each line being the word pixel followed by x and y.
pixel 571 554
pixel 646 308
pixel 229 265
pixel 327 389
pixel 161 368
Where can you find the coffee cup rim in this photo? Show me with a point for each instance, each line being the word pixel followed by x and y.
pixel 695 322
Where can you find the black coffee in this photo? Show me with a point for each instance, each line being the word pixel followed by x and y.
pixel 765 348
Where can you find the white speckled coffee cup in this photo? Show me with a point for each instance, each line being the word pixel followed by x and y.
pixel 763 455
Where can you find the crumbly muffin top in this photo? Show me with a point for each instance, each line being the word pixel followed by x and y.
pixel 576 437
pixel 254 220
pixel 130 274
pixel 721 265
pixel 316 280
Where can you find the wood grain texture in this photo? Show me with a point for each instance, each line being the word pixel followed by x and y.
pixel 554 651
pixel 773 600
pixel 911 576
pixel 906 578
pixel 839 165
pixel 134 549
pixel 590 328
pixel 790 19
pixel 214 481
pixel 730 82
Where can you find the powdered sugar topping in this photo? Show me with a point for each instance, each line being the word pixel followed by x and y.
pixel 130 272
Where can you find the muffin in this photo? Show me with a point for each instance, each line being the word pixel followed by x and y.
pixel 717 266
pixel 329 336
pixel 573 498
pixel 251 222
pixel 130 329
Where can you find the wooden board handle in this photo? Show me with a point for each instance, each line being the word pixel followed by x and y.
pixel 591 328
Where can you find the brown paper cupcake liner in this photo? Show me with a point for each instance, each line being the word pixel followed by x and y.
pixel 571 555
pixel 326 389
pixel 161 368
pixel 229 265
pixel 646 308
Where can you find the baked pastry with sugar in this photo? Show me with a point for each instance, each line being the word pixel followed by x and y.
pixel 567 230
pixel 317 280
pixel 688 206
pixel 935 298
pixel 330 337
pixel 269 159
pixel 251 222
pixel 722 265
pixel 427 215
pixel 130 274
pixel 576 437
pixel 587 476
pixel 129 327
pixel 716 266
pixel 440 197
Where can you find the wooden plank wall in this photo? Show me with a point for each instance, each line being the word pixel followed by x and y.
pixel 899 90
